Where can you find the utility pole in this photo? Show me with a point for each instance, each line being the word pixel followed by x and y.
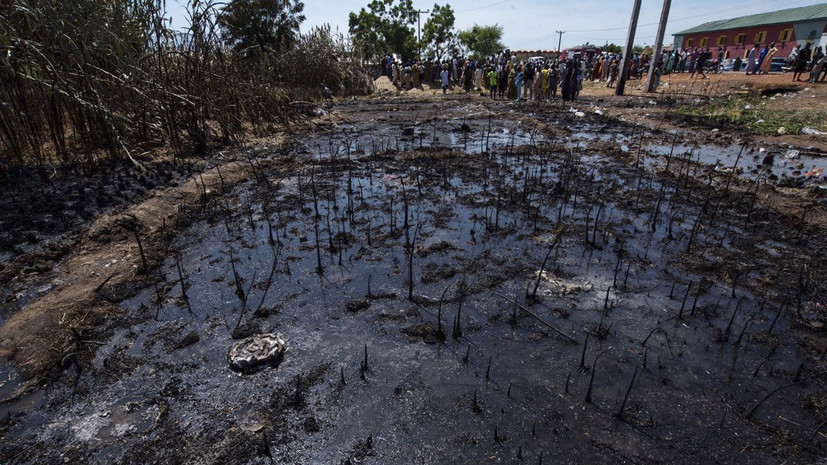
pixel 654 78
pixel 627 53
pixel 559 40
pixel 419 14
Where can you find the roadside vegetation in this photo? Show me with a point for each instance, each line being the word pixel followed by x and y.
pixel 85 79
pixel 755 114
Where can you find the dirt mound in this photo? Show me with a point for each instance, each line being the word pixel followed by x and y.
pixel 384 85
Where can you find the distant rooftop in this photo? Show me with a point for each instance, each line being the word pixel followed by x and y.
pixel 790 15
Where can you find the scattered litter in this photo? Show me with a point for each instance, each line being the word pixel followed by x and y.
pixel 759 121
pixel 782 130
pixel 652 102
pixel 598 112
pixel 814 173
pixel 557 286
pixel 811 131
pixel 579 114
pixel 792 154
pixel 716 130
pixel 762 150
pixel 747 107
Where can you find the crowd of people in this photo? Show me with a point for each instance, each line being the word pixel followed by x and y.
pixel 503 76
pixel 757 60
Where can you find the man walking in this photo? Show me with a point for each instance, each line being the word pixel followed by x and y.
pixel 444 76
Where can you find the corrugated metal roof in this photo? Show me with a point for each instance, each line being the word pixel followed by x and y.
pixel 790 15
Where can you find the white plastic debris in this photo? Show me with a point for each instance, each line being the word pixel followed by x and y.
pixel 792 154
pixel 782 130
pixel 811 131
pixel 762 150
pixel 255 352
pixel 579 114
pixel 747 107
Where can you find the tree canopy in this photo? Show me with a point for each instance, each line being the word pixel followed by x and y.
pixel 386 26
pixel 483 40
pixel 266 24
pixel 611 48
pixel 438 34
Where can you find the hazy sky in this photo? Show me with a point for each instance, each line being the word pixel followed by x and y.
pixel 530 24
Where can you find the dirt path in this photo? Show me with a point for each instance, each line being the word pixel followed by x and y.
pixel 106 266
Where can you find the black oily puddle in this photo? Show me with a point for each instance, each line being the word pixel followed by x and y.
pixel 770 164
pixel 473 136
pixel 505 383
pixel 774 163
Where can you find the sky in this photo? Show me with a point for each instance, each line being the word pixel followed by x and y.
pixel 531 24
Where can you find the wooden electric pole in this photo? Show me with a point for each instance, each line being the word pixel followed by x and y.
pixel 627 52
pixel 559 40
pixel 654 75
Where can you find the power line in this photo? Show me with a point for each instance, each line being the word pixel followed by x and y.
pixel 482 7
pixel 685 18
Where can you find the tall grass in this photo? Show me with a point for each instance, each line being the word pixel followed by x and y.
pixel 86 78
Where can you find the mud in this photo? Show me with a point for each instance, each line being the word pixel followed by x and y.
pixel 466 281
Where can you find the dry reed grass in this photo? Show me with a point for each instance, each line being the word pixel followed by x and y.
pixel 85 77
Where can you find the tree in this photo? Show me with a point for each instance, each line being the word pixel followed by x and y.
pixel 387 26
pixel 611 48
pixel 439 35
pixel 483 40
pixel 266 24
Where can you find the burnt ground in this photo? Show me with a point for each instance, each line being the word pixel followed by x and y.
pixel 456 280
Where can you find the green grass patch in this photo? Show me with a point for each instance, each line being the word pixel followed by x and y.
pixel 752 114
